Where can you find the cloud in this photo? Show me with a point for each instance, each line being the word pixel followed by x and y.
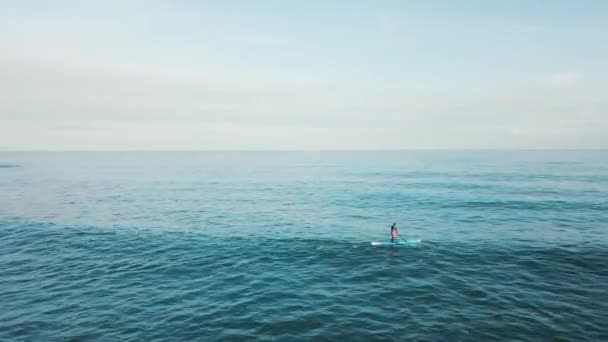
pixel 564 79
pixel 62 100
pixel 391 24
pixel 516 131
pixel 528 28
pixel 66 87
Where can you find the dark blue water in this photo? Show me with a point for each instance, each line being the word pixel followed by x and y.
pixel 276 246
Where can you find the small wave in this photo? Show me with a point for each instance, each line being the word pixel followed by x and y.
pixel 8 166
pixel 201 287
pixel 529 205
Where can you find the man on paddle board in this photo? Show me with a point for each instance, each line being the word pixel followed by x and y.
pixel 394 232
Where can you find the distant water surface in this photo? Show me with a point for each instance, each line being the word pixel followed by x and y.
pixel 157 246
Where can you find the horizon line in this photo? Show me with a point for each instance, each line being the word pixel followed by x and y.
pixel 311 150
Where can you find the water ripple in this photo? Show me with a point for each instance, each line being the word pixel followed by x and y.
pixel 276 246
pixel 199 287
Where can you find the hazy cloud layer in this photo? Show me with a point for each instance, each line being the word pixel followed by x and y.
pixel 87 77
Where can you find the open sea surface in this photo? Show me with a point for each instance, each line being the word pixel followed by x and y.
pixel 275 246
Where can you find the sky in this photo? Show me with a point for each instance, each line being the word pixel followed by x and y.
pixel 303 75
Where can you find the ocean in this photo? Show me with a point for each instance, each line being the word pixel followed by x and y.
pixel 276 246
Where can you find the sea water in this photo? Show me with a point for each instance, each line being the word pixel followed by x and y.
pixel 206 246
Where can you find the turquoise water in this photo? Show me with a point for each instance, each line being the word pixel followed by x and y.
pixel 275 246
